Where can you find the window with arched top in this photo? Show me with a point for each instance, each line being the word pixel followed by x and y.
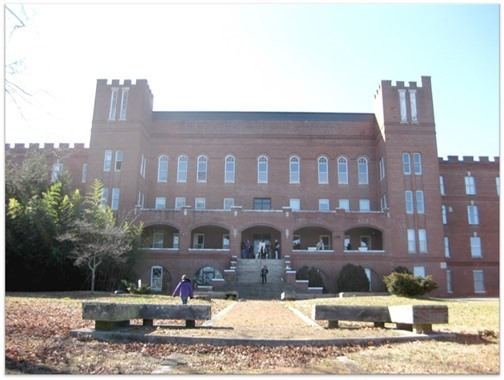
pixel 342 171
pixel 162 169
pixel 229 169
pixel 201 170
pixel 262 169
pixel 294 170
pixel 182 168
pixel 362 167
pixel 323 170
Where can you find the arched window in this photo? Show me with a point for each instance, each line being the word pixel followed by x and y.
pixel 262 169
pixel 294 170
pixel 229 169
pixel 201 170
pixel 342 171
pixel 182 169
pixel 362 167
pixel 162 175
pixel 323 170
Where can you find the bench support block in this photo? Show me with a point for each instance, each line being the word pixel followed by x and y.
pixel 332 324
pixel 108 325
pixel 379 324
pixel 148 322
pixel 190 324
pixel 422 328
pixel 404 326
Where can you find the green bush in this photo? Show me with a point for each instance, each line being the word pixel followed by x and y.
pixel 408 285
pixel 352 278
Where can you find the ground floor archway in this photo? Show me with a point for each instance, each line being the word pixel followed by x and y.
pixel 260 241
pixel 363 239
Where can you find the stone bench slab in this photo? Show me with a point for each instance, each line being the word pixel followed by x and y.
pixel 351 313
pixel 419 314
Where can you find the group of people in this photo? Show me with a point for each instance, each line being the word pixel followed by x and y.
pixel 264 250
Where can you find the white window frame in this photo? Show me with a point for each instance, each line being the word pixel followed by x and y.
pixel 162 176
pixel 107 161
pixel 363 202
pixel 230 202
pixel 326 241
pixel 475 246
pixel 160 203
pixel 116 195
pixel 419 271
pixel 324 205
pixel 408 202
pixel 104 195
pixel 180 202
pixel 406 163
pixel 181 170
pixel 472 214
pixel 124 103
pixel 295 204
pixel 402 106
pixel 449 285
pixel 363 171
pixel 196 240
pixel 342 203
pixel 497 184
pixel 199 203
pixel 420 201
pixel 262 169
pixel 444 214
pixel 323 176
pixel 156 284
pixel 446 242
pixel 225 238
pixel 113 103
pixel 422 241
pixel 143 166
pixel 342 170
pixel 141 199
pixel 119 156
pixel 411 240
pixel 441 185
pixel 382 168
pixel 158 238
pixel 202 169
pixel 56 171
pixel 413 105
pixel 84 173
pixel 470 185
pixel 294 170
pixel 479 281
pixel 417 163
pixel 176 240
pixel 229 173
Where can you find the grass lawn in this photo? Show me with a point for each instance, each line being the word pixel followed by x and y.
pixel 37 340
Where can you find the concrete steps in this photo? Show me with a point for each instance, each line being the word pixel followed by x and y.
pixel 248 271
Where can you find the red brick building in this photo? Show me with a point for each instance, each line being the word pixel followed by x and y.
pixel 331 188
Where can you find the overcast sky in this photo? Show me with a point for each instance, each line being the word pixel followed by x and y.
pixel 255 57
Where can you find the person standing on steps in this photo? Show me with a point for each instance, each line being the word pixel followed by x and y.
pixel 264 274
pixel 261 249
pixel 184 289
pixel 277 249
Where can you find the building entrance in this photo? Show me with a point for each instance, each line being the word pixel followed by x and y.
pixel 260 238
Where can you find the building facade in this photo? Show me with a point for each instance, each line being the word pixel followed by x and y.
pixel 331 188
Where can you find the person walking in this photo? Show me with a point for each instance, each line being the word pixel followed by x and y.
pixel 264 274
pixel 184 289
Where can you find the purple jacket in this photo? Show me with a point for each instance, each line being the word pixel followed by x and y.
pixel 184 288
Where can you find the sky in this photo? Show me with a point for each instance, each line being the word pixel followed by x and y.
pixel 325 57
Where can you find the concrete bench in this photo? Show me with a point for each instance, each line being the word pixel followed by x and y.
pixel 406 317
pixel 112 315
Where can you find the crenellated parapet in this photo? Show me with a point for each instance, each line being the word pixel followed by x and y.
pixel 46 147
pixel 469 160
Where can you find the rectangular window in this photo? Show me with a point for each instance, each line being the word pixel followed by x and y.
pixel 364 205
pixel 323 204
pixel 408 196
pixel 84 173
pixel 412 94
pixel 199 203
pixel 326 242
pixel 143 166
pixel 406 161
pixel 295 204
pixel 419 271
pixel 116 193
pixel 446 247
pixel 160 202
pixel 104 198
pixel 420 201
pixel 228 203
pixel 472 214
pixel 180 202
pixel 262 203
pixel 199 241
pixel 478 281
pixel 411 241
pixel 57 169
pixel 176 241
pixel 113 103
pixel 124 103
pixel 470 185
pixel 402 106
pixel 443 214
pixel 141 199
pixel 118 160
pixel 383 202
pixel 449 288
pixel 417 163
pixel 422 240
pixel 382 169
pixel 225 241
pixel 441 185
pixel 344 204
pixel 107 161
pixel 475 246
pixel 157 239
